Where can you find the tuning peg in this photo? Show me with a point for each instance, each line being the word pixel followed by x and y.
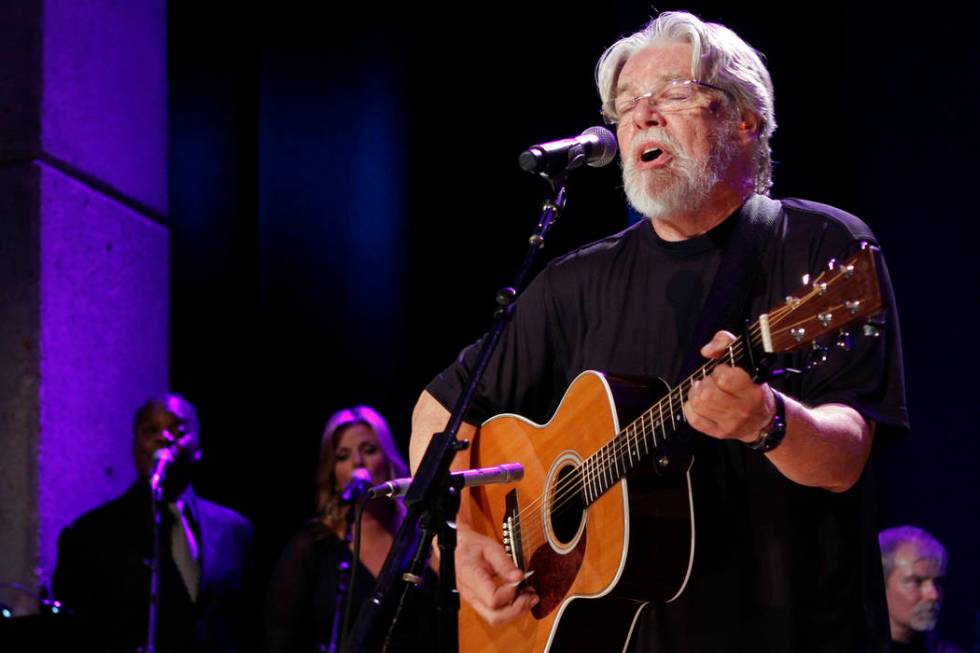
pixel 844 340
pixel 831 264
pixel 818 354
pixel 872 328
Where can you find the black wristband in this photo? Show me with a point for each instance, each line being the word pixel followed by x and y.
pixel 771 438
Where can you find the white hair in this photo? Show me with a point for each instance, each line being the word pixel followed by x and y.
pixel 718 57
pixel 891 538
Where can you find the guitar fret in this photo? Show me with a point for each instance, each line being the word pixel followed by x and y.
pixel 612 467
pixel 663 428
pixel 588 485
pixel 595 475
pixel 610 462
pixel 605 470
pixel 643 419
pixel 616 460
pixel 590 488
pixel 592 478
pixel 583 476
pixel 629 453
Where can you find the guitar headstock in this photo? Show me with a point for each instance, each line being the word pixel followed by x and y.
pixel 839 296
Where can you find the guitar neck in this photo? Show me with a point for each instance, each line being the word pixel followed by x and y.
pixel 647 434
pixel 835 299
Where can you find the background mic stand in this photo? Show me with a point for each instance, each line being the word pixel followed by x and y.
pixel 343 582
pixel 431 493
pixel 156 499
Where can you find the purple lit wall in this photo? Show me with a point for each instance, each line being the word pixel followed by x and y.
pixel 84 272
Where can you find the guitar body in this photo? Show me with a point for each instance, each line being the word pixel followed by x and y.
pixel 595 564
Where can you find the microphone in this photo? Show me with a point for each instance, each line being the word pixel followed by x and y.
pixel 595 146
pixel 162 459
pixel 506 473
pixel 359 483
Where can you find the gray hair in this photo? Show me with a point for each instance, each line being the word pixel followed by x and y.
pixel 718 57
pixel 891 538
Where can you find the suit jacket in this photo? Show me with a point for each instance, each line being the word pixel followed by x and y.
pixel 104 577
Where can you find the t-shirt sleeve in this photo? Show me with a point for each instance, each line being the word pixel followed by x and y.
pixel 523 374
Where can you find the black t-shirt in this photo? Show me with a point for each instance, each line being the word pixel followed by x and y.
pixel 103 576
pixel 778 566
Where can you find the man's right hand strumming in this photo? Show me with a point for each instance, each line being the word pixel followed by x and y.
pixel 488 580
pixel 486 577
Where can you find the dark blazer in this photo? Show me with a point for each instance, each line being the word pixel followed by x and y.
pixel 103 576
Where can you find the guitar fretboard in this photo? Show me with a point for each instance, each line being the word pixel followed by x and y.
pixel 646 434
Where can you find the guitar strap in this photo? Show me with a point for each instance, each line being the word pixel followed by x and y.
pixel 728 300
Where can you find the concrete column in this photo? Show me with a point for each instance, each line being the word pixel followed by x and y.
pixel 83 261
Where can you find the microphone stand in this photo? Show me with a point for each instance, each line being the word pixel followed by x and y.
pixel 156 498
pixel 343 581
pixel 432 501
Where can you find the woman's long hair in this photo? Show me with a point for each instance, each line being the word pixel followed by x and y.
pixel 328 508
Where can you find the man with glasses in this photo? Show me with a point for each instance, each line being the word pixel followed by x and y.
pixel 785 555
pixel 205 551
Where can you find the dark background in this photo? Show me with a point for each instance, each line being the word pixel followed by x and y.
pixel 345 200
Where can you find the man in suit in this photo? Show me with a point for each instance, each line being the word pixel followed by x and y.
pixel 103 571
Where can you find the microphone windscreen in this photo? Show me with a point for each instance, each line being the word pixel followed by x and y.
pixel 362 475
pixel 605 151
pixel 164 453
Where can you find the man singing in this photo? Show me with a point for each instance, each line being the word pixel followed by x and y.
pixel 103 573
pixel 786 557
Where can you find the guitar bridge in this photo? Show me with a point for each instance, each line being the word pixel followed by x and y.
pixel 511 527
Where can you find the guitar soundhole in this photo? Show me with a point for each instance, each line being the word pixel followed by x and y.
pixel 566 504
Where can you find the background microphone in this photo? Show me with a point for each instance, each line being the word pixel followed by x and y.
pixel 507 473
pixel 359 483
pixel 162 459
pixel 595 146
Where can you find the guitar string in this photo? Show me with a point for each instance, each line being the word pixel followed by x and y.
pixel 676 397
pixel 610 455
pixel 571 485
pixel 676 402
pixel 628 441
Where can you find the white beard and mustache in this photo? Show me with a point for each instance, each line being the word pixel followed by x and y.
pixel 684 184
pixel 924 616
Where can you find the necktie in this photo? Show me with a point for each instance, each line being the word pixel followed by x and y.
pixel 183 546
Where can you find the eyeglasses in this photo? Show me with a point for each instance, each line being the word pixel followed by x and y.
pixel 677 95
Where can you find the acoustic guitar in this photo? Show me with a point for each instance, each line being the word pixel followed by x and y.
pixel 603 521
